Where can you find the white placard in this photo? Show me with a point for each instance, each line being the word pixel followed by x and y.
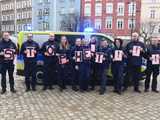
pixel 87 54
pixel 78 56
pixel 118 55
pixel 136 51
pixel 93 48
pixel 155 59
pixel 30 52
pixel 9 54
pixel 99 57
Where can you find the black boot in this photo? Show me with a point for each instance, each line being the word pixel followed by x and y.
pixel 44 88
pixel 13 90
pixel 101 91
pixel 74 88
pixel 3 91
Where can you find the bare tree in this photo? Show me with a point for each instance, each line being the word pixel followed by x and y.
pixel 147 30
pixel 69 22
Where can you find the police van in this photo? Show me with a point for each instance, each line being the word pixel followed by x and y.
pixel 41 37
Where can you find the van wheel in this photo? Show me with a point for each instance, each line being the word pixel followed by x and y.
pixel 39 75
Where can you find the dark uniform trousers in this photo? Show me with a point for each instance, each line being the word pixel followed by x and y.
pixel 9 66
pixel 84 76
pixel 49 73
pixel 117 70
pixel 102 76
pixel 151 70
pixel 63 75
pixel 30 75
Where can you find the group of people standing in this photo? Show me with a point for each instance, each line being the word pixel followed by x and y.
pixel 83 62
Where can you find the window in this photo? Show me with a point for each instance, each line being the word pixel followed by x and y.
pixel 98 24
pixel 120 9
pixel 132 9
pixel 46 11
pixel 120 24
pixel 98 9
pixel 131 23
pixel 87 9
pixel 109 8
pixel 152 14
pixel 109 22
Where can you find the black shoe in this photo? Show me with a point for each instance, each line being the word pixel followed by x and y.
pixel 13 91
pixel 75 89
pixel 137 91
pixel 156 91
pixel 81 90
pixel 124 89
pixel 92 88
pixel 51 88
pixel 61 89
pixel 101 92
pixel 44 88
pixel 27 90
pixel 146 90
pixel 119 92
pixel 34 89
pixel 115 91
pixel 3 91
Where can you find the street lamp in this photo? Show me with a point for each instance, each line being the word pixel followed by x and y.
pixel 132 16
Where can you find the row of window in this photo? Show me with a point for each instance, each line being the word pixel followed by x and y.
pixel 121 8
pixel 8 17
pixel 20 27
pixel 19 5
pixel 23 15
pixel 119 23
pixel 7 27
pixel 43 26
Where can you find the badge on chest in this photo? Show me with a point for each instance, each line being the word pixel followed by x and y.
pixel 9 54
pixel 155 59
pixel 78 56
pixel 30 52
pixel 99 57
pixel 118 55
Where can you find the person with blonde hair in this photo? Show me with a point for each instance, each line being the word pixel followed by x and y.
pixel 63 64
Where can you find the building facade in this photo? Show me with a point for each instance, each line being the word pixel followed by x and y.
pixel 16 15
pixel 118 18
pixel 56 15
pixel 150 18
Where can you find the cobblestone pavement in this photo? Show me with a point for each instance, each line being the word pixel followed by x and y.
pixel 69 105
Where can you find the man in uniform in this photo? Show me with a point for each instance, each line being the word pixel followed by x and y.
pixel 135 50
pixel 7 51
pixel 153 64
pixel 30 50
pixel 49 49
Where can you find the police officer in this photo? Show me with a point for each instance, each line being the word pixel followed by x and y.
pixel 86 66
pixel 103 59
pixel 153 64
pixel 135 50
pixel 77 60
pixel 64 59
pixel 7 51
pixel 29 50
pixel 49 49
pixel 93 46
pixel 118 65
